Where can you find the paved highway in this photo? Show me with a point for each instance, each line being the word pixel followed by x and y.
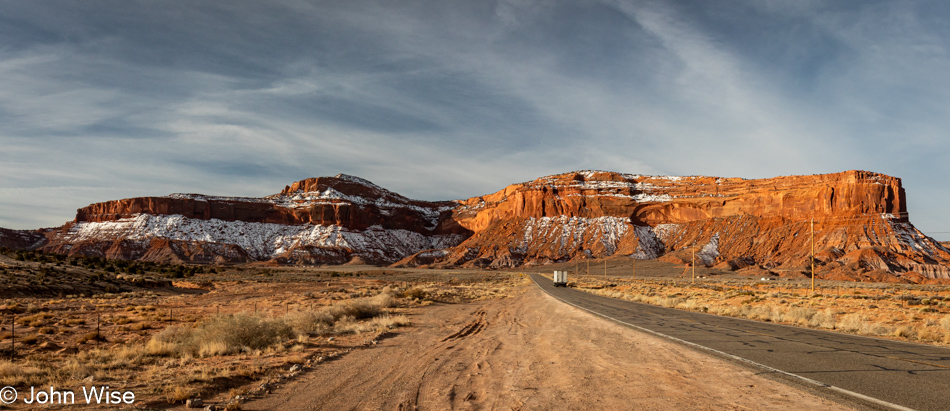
pixel 881 372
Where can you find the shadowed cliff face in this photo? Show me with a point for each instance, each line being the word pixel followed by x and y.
pixel 21 239
pixel 732 222
pixel 343 201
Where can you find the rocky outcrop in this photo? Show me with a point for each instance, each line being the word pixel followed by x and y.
pixel 343 201
pixel 730 223
pixel 21 239
pixel 326 220
pixel 651 200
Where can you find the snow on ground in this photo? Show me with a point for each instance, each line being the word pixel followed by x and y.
pixel 262 241
pixel 666 231
pixel 912 238
pixel 606 187
pixel 650 245
pixel 652 240
pixel 571 233
pixel 710 251
pixel 330 196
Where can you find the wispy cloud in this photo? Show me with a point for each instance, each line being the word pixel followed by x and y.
pixel 452 99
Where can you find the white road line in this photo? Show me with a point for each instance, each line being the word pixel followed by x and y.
pixel 737 358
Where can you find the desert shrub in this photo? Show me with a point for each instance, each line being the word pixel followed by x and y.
pixel 178 393
pixel 232 333
pixel 324 320
pixel 945 322
pixel 669 302
pixel 929 335
pixel 370 307
pixel 12 374
pixel 762 312
pixel 311 322
pixel 905 332
pixel 29 339
pixel 159 348
pixel 243 331
pixel 798 315
pixel 691 305
pixel 823 319
pixel 140 326
pixel 35 320
pixel 90 336
pixel 123 356
pixel 348 325
pixel 226 334
pixel 213 348
pixel 414 293
pixel 850 323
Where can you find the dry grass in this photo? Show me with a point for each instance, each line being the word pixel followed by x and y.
pixel 222 334
pixel 244 333
pixel 180 393
pixel 918 314
pixel 174 346
pixel 14 374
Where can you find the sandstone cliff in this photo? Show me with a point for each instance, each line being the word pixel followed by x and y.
pixel 730 222
pixel 343 201
pixel 860 222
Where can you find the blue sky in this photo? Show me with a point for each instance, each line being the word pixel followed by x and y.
pixel 445 99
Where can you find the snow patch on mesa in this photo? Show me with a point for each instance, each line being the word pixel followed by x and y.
pixel 913 239
pixel 710 251
pixel 572 233
pixel 649 244
pixel 263 241
pixel 331 196
pixel 358 180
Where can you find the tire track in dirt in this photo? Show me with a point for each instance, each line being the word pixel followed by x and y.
pixel 529 352
pixel 471 328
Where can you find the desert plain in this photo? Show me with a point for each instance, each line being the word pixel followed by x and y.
pixel 259 337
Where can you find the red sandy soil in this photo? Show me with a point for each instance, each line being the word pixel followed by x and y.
pixel 529 352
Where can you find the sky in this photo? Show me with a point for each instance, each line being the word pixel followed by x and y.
pixel 446 99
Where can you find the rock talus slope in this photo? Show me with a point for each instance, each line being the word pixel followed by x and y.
pixel 860 220
pixel 318 220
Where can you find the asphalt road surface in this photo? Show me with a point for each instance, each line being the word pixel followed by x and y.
pixel 877 372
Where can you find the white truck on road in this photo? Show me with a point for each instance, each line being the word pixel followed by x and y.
pixel 560 278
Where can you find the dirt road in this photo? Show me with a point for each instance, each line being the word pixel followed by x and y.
pixel 530 352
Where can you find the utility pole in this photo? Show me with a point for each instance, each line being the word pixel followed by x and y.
pixel 812 256
pixel 692 264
